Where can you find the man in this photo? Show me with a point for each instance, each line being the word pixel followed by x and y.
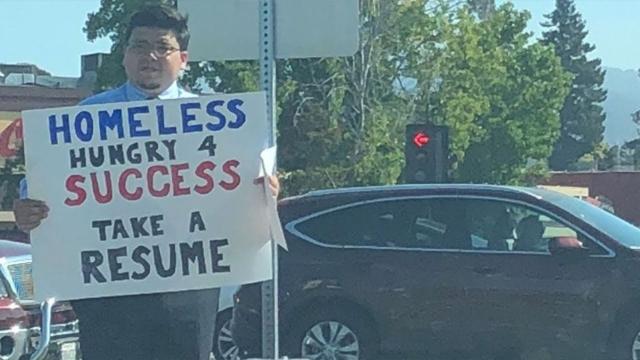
pixel 529 235
pixel 171 326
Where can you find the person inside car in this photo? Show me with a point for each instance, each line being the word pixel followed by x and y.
pixel 529 235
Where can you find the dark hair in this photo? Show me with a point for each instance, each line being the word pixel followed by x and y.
pixel 163 17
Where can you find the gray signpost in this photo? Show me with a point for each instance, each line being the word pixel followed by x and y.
pixel 267 30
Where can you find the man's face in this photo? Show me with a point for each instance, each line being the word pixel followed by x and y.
pixel 153 59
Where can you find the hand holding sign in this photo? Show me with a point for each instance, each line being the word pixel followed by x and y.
pixel 29 213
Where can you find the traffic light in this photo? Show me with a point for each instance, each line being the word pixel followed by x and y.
pixel 426 154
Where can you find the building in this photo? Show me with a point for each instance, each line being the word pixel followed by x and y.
pixel 621 188
pixel 27 87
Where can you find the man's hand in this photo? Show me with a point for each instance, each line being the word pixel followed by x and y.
pixel 274 184
pixel 29 213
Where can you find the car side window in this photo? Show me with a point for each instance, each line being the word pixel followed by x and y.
pixel 429 224
pixel 505 226
pixel 375 224
pixel 439 224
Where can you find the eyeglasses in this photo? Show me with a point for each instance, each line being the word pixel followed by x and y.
pixel 159 51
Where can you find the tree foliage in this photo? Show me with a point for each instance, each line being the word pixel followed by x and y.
pixel 499 94
pixel 582 115
pixel 341 121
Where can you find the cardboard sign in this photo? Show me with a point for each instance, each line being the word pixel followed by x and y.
pixel 148 197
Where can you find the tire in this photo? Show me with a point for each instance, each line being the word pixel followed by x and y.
pixel 223 346
pixel 354 336
pixel 624 343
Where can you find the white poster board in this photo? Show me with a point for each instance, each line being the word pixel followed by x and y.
pixel 147 197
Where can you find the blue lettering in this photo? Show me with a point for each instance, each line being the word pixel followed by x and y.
pixel 164 130
pixel 113 121
pixel 135 125
pixel 84 117
pixel 187 118
pixel 54 129
pixel 234 107
pixel 211 110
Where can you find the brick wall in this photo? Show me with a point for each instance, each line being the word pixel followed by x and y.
pixel 622 188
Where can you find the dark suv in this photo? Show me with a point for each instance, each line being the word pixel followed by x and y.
pixel 458 271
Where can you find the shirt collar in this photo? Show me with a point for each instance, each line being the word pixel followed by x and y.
pixel 134 93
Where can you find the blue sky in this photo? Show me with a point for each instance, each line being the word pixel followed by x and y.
pixel 48 33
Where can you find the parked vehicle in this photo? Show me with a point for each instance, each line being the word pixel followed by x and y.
pixel 20 316
pixel 454 271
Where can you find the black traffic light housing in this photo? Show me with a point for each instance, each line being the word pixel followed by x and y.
pixel 426 154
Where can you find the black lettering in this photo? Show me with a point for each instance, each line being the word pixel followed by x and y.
pixel 196 219
pixel 191 253
pixel 137 258
pixel 133 156
pixel 137 226
pixel 155 225
pixel 102 225
pixel 119 230
pixel 78 159
pixel 171 147
pixel 216 257
pixel 115 265
pixel 116 153
pixel 90 262
pixel 157 258
pixel 208 145
pixel 152 151
pixel 96 159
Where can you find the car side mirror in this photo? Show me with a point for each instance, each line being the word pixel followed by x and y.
pixel 567 246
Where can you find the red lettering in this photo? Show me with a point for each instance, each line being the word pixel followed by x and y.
pixel 122 184
pixel 8 136
pixel 201 172
pixel 229 168
pixel 100 198
pixel 178 179
pixel 164 191
pixel 72 186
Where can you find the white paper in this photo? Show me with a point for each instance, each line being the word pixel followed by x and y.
pixel 268 157
pixel 231 211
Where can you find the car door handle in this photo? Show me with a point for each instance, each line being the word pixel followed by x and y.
pixel 485 270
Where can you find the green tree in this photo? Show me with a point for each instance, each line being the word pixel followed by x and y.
pixel 499 94
pixel 10 175
pixel 341 121
pixel 338 118
pixel 582 115
pixel 484 8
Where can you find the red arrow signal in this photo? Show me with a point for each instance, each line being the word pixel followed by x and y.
pixel 421 139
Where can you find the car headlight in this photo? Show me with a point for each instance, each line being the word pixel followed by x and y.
pixel 18 277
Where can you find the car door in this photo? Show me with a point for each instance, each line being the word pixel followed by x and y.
pixel 400 266
pixel 418 274
pixel 526 298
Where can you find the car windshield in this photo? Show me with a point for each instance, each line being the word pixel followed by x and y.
pixel 606 222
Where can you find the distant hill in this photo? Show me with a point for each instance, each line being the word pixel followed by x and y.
pixel 623 99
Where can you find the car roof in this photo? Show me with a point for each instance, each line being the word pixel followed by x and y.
pixel 10 248
pixel 538 193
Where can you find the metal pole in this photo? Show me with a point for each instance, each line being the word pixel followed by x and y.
pixel 268 84
pixel 45 330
